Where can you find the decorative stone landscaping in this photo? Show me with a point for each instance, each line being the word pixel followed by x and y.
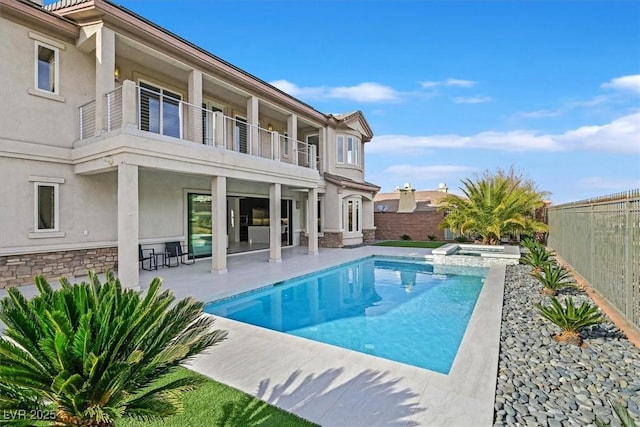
pixel 545 383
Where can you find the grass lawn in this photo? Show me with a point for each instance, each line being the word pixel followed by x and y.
pixel 215 404
pixel 411 244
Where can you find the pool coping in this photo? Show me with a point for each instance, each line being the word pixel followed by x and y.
pixel 332 386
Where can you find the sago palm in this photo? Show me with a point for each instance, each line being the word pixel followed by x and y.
pixel 552 277
pixel 493 206
pixel 571 319
pixel 538 258
pixel 93 351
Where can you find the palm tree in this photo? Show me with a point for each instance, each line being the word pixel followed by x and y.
pixel 571 319
pixel 91 352
pixel 494 205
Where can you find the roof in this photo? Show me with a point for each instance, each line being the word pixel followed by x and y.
pixel 355 120
pixel 345 182
pixel 431 197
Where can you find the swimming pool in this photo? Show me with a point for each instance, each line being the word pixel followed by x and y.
pixel 392 308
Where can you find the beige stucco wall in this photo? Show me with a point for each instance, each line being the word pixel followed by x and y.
pixel 49 121
pixel 87 203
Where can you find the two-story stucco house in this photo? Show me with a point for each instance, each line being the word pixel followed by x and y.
pixel 116 133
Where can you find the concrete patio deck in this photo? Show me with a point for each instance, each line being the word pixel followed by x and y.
pixel 332 386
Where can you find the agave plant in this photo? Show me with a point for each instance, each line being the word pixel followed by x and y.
pixel 91 352
pixel 571 319
pixel 553 278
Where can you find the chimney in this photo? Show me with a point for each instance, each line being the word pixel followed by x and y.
pixel 442 187
pixel 407 203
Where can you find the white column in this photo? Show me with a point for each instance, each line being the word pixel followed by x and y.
pixel 105 55
pixel 253 117
pixel 312 221
pixel 193 115
pixel 128 225
pixel 219 224
pixel 275 224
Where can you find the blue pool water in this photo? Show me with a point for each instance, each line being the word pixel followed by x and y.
pixel 395 309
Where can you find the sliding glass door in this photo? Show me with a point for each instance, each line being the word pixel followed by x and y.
pixel 199 224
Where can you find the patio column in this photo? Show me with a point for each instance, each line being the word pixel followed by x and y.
pixel 128 225
pixel 219 224
pixel 312 221
pixel 253 118
pixel 105 55
pixel 275 223
pixel 194 114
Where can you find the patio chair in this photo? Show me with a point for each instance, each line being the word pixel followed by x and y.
pixel 179 252
pixel 149 256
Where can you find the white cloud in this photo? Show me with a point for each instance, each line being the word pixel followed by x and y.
pixel 564 109
pixel 621 135
pixel 625 83
pixel 472 100
pixel 363 92
pixel 299 92
pixel 448 82
pixel 608 184
pixel 428 172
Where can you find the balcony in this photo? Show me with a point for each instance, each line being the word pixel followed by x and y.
pixel 134 106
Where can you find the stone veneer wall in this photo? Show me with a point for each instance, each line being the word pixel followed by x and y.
pixel 16 270
pixel 369 235
pixel 328 240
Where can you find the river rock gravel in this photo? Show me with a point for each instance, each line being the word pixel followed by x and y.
pixel 545 383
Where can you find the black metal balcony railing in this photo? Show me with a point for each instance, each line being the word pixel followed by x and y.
pixel 167 115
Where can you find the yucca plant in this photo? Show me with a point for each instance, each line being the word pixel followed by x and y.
pixel 571 319
pixel 553 278
pixel 91 352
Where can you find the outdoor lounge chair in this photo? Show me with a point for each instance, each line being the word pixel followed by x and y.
pixel 149 256
pixel 180 252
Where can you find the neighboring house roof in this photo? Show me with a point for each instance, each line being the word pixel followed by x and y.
pixel 430 197
pixel 345 182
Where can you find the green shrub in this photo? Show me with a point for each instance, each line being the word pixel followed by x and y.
pixel 405 237
pixel 431 237
pixel 92 352
pixel 461 239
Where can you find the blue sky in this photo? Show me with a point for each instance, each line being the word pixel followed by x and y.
pixel 450 88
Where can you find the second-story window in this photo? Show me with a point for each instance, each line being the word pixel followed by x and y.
pixel 46 68
pixel 340 149
pixel 348 150
pixel 160 111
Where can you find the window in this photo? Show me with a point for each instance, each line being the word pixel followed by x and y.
pixel 340 149
pixel 348 152
pixel 160 111
pixel 351 215
pixel 285 148
pixel 46 68
pixel 314 140
pixel 319 215
pixel 46 207
pixel 240 135
pixel 208 122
